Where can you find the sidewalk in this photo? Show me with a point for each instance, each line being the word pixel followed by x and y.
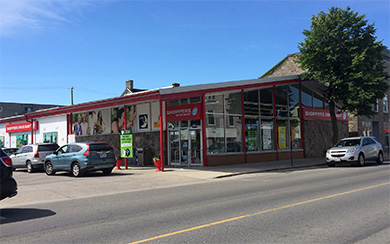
pixel 216 172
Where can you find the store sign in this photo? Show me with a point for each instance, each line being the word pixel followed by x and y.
pixel 184 112
pixel 322 114
pixel 21 127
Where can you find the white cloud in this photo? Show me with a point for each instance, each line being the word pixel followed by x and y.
pixel 18 16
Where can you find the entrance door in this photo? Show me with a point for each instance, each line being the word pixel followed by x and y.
pixel 185 147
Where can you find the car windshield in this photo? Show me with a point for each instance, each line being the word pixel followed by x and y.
pixel 348 143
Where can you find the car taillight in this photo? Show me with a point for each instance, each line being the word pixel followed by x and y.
pixel 87 153
pixel 7 161
pixel 36 155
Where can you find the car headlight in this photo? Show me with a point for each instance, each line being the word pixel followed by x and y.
pixel 351 151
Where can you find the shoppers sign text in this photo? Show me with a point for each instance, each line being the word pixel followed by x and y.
pixel 322 114
pixel 21 127
pixel 184 112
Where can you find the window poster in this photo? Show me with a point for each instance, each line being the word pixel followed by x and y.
pixel 21 140
pixel 50 137
pixel 252 140
pixel 282 137
pixel 267 136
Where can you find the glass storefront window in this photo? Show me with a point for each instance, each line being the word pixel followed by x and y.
pixel 234 135
pixel 214 103
pixel 216 135
pixel 233 103
pixel 50 137
pixel 317 101
pixel 293 100
pixel 251 102
pixel 307 101
pixel 266 102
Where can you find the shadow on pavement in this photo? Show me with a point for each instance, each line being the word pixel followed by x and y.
pixel 10 215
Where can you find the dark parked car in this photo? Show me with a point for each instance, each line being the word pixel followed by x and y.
pixel 32 156
pixel 8 184
pixel 79 158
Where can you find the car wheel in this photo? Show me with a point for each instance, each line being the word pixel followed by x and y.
pixel 107 171
pixel 29 167
pixel 49 168
pixel 380 158
pixel 76 170
pixel 361 160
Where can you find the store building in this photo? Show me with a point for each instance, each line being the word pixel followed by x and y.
pixel 377 125
pixel 202 125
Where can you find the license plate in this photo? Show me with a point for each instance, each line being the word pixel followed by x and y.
pixel 103 155
pixel 337 159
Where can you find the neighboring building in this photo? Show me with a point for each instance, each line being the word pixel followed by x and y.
pixel 202 125
pixel 14 109
pixel 377 125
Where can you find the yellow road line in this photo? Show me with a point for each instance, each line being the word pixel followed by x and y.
pixel 258 213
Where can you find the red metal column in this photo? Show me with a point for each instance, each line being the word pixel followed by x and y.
pixel 125 128
pixel 161 136
pixel 275 125
pixel 32 131
pixel 301 116
pixel 243 125
pixel 204 139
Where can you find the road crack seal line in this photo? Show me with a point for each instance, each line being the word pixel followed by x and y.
pixel 258 213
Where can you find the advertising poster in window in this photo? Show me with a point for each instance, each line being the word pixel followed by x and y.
pixel 21 140
pixel 252 140
pixel 282 137
pixel 80 124
pixel 50 137
pixel 267 136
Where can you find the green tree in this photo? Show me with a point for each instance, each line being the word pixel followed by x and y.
pixel 340 51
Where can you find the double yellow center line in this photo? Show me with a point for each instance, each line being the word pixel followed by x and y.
pixel 258 213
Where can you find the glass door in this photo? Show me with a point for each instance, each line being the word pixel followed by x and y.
pixel 195 148
pixel 185 146
pixel 174 152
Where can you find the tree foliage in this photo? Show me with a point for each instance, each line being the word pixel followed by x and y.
pixel 340 50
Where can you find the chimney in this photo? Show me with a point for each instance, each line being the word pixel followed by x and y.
pixel 175 84
pixel 129 84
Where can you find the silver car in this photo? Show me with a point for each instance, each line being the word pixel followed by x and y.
pixel 355 150
pixel 32 156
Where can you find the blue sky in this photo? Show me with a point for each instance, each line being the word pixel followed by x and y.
pixel 49 46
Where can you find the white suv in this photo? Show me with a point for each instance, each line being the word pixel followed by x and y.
pixel 32 156
pixel 356 150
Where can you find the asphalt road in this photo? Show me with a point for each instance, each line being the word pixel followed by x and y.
pixel 314 205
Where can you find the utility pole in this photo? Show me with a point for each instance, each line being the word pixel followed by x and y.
pixel 71 95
